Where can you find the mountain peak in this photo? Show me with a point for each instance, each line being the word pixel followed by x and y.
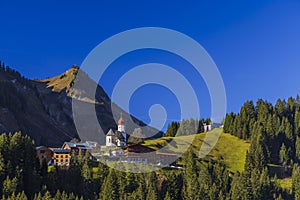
pixel 63 81
pixel 43 108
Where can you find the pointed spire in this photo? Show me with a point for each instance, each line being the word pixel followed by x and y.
pixel 121 121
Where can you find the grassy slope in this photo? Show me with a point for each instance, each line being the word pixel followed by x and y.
pixel 230 148
pixel 63 81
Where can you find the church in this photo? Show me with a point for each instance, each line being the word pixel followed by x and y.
pixel 118 138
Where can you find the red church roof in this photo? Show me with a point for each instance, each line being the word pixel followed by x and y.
pixel 121 121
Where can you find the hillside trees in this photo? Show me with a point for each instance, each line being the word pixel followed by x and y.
pixel 274 134
pixel 172 129
pixel 279 125
pixel 18 165
pixel 110 187
pixel 186 127
pixel 199 179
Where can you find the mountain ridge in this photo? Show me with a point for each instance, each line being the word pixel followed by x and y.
pixel 43 108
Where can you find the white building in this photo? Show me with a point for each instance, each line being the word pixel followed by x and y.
pixel 207 127
pixel 119 137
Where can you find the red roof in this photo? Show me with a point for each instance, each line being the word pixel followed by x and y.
pixel 121 121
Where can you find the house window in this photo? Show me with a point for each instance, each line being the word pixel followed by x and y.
pixel 66 156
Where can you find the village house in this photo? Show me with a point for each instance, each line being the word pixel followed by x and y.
pixel 94 147
pixel 61 157
pixel 207 127
pixel 44 154
pixel 76 148
pixel 142 154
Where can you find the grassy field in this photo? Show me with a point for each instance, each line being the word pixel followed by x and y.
pixel 229 148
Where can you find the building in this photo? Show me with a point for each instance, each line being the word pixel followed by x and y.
pixel 61 157
pixel 94 147
pixel 77 147
pixel 118 138
pixel 207 127
pixel 142 154
pixel 44 153
pixel 139 154
pixel 165 158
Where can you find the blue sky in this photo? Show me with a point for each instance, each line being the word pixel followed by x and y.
pixel 255 44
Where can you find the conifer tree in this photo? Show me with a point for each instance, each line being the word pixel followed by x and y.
pixel 297 146
pixel 57 195
pixel 283 154
pixel 167 196
pixel 296 182
pixel 152 193
pixel 109 191
pixel 138 194
pixel 190 179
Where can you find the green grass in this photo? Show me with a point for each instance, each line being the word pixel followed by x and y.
pixel 228 148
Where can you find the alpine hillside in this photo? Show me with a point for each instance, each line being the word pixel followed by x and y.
pixel 42 109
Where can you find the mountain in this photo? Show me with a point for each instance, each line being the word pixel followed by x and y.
pixel 43 108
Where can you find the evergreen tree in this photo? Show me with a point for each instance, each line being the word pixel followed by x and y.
pixel 283 154
pixel 297 146
pixel 190 178
pixel 296 182
pixel 167 197
pixel 9 186
pixel 172 129
pixel 57 195
pixel 110 187
pixel 152 193
pixel 138 194
pixel 237 187
pixel 174 185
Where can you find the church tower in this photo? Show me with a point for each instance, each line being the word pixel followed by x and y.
pixel 121 129
pixel 121 126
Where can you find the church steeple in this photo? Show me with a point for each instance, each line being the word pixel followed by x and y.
pixel 121 121
pixel 121 126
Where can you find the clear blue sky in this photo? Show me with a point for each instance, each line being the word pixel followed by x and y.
pixel 255 44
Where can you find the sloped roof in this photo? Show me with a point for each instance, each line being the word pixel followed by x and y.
pixel 138 148
pixel 92 144
pixel 77 145
pixel 40 147
pixel 110 133
pixel 61 150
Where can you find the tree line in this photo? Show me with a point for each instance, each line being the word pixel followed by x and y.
pixel 276 128
pixel 23 178
pixel 273 131
pixel 186 127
